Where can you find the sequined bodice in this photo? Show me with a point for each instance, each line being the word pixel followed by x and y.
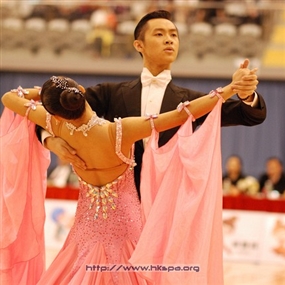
pixel 102 198
pixel 109 215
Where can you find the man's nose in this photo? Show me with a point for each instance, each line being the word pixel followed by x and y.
pixel 168 40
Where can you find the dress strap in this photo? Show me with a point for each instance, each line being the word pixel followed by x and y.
pixel 119 153
pixel 183 106
pixel 48 124
pixel 150 118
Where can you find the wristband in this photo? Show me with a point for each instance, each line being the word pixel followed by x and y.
pixel 183 106
pixel 20 91
pixel 217 92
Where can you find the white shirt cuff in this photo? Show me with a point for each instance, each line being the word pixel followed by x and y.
pixel 253 103
pixel 44 135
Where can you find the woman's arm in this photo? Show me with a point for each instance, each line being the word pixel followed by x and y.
pixel 20 100
pixel 137 128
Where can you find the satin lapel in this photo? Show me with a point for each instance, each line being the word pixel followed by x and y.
pixel 172 97
pixel 131 93
pixel 132 98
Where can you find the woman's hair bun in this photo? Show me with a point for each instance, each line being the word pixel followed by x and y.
pixel 71 98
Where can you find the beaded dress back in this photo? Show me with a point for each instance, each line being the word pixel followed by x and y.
pixel 84 128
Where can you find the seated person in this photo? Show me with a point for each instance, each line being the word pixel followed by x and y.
pixel 62 175
pixel 235 182
pixel 274 177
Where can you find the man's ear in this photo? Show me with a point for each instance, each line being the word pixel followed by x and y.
pixel 138 45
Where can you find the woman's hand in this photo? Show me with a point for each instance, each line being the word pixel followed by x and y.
pixel 244 81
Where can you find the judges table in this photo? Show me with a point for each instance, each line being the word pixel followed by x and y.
pixel 66 193
pixel 229 202
pixel 254 204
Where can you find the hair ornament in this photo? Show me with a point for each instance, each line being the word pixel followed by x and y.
pixel 59 82
pixel 63 84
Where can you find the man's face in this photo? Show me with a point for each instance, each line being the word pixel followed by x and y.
pixel 274 168
pixel 234 165
pixel 160 43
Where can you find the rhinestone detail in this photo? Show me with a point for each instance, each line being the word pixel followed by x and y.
pixel 102 198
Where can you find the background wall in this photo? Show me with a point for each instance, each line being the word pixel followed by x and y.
pixel 253 144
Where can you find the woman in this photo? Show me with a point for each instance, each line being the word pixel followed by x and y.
pixel 108 222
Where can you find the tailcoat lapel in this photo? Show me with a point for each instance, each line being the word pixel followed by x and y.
pixel 131 93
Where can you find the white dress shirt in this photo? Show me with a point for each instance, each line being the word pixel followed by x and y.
pixel 153 88
pixel 153 91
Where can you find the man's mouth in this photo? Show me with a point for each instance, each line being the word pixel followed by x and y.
pixel 169 49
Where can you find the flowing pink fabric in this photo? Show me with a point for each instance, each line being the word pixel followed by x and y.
pixel 23 166
pixel 181 188
pixel 106 243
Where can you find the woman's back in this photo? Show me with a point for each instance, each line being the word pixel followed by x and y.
pixel 97 147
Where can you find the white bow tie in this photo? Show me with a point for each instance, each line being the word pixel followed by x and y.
pixel 161 79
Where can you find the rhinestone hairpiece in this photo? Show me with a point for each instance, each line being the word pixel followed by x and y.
pixel 63 84
pixel 59 82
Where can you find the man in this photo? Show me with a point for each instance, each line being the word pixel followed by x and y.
pixel 235 181
pixel 274 177
pixel 157 40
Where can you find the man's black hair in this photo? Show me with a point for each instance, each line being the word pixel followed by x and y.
pixel 158 14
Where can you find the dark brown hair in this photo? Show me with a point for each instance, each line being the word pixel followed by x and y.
pixel 61 96
pixel 140 28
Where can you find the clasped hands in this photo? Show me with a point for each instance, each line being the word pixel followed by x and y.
pixel 244 81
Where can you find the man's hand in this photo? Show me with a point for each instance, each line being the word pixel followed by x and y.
pixel 245 83
pixel 64 151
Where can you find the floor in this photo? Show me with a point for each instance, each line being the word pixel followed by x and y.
pixel 237 273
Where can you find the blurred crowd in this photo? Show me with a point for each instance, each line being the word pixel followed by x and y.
pixel 270 184
pixel 186 11
pixel 108 27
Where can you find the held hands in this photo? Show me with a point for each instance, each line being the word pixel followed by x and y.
pixel 64 151
pixel 244 81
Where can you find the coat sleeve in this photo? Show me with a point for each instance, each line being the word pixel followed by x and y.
pixel 235 113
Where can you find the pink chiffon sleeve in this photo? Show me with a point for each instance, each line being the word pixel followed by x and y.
pixel 23 168
pixel 181 193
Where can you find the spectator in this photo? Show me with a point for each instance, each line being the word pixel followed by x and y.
pixel 235 182
pixel 104 23
pixel 62 175
pixel 212 12
pixel 274 177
